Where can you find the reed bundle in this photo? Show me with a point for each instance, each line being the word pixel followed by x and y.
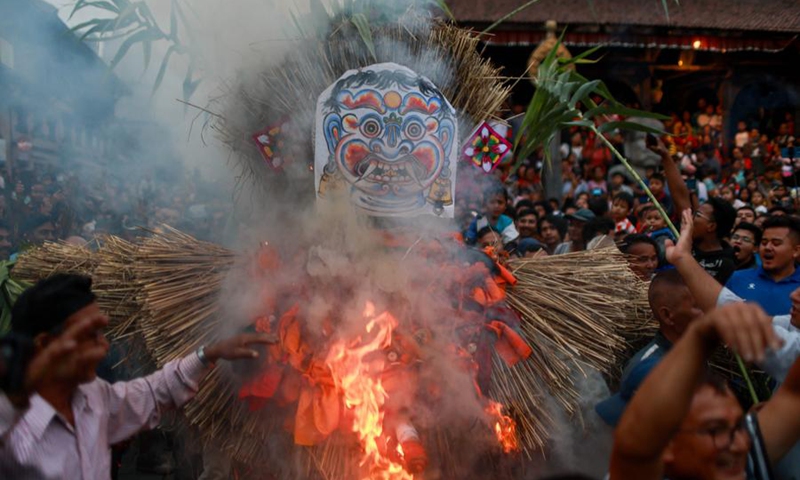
pixel 54 257
pixel 580 308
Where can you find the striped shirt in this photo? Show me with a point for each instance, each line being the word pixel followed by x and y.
pixel 40 444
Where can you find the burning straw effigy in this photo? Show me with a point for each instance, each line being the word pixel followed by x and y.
pixel 577 309
pixel 402 353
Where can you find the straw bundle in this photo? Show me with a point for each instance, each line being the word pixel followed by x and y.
pixel 54 257
pixel 581 308
pixel 164 291
pixel 179 279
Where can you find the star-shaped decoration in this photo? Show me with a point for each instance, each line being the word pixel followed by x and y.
pixel 486 148
pixel 270 142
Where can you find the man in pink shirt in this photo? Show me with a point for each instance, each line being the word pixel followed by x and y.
pixel 63 423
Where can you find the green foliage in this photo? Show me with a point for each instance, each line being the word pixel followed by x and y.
pixel 133 21
pixel 564 99
pixel 10 290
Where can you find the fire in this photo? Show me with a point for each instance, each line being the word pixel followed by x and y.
pixel 358 380
pixel 505 428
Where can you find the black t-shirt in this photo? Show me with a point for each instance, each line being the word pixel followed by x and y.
pixel 720 264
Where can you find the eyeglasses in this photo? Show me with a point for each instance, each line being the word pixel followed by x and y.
pixel 700 214
pixel 722 437
pixel 738 238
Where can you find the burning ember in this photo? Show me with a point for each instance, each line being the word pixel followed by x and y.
pixel 357 376
pixel 505 428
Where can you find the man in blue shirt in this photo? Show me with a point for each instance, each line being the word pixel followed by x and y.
pixel 675 308
pixel 770 285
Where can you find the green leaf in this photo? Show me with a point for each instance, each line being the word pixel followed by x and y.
pixel 507 16
pixel 637 127
pixel 583 91
pixel 163 69
pixel 442 4
pixel 580 123
pixel 100 28
pixel 623 111
pixel 96 21
pixel 147 50
pixel 141 36
pixel 362 25
pixel 173 21
pixel 190 86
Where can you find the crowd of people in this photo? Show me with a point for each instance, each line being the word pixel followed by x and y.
pixel 716 234
pixel 740 183
pixel 40 204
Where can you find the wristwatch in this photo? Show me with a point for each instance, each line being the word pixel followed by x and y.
pixel 201 354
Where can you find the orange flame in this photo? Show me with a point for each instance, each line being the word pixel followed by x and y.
pixel 359 382
pixel 505 428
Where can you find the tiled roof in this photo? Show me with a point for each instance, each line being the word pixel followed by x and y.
pixel 742 15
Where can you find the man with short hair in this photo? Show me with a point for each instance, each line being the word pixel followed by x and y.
pixel 683 425
pixel 675 309
pixel 72 419
pixel 38 229
pixel 771 284
pixel 713 222
pixel 576 242
pixel 745 214
pixel 745 241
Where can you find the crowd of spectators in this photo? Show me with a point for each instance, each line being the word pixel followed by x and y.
pixel 741 181
pixel 735 202
pixel 38 204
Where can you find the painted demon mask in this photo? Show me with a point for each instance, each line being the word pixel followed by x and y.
pixel 388 135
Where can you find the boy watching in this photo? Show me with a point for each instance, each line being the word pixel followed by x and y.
pixel 620 211
pixel 495 202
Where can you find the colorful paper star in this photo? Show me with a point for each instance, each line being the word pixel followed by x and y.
pixel 486 148
pixel 270 143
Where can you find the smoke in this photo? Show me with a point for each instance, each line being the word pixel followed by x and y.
pixel 322 258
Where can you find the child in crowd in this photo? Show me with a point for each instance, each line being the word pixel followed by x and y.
pixel 495 202
pixel 654 226
pixel 657 187
pixel 621 208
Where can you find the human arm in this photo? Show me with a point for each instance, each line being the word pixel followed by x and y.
pixel 778 363
pixel 16 413
pixel 779 418
pixel 681 196
pixel 704 288
pixel 658 408
pixel 139 404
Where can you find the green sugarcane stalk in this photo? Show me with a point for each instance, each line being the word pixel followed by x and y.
pixel 641 182
pixel 663 213
pixel 507 16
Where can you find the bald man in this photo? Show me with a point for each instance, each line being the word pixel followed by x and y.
pixel 674 308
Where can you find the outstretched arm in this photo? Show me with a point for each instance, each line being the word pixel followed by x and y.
pixel 659 406
pixel 681 196
pixel 704 288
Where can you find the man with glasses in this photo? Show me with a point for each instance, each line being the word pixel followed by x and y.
pixel 712 223
pixel 745 241
pixel 771 284
pixel 710 294
pixel 683 424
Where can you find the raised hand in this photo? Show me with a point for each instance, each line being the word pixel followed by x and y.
pixel 659 148
pixel 743 327
pixel 51 360
pixel 683 249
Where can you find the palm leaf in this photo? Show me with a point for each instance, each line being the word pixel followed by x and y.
pixel 360 21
